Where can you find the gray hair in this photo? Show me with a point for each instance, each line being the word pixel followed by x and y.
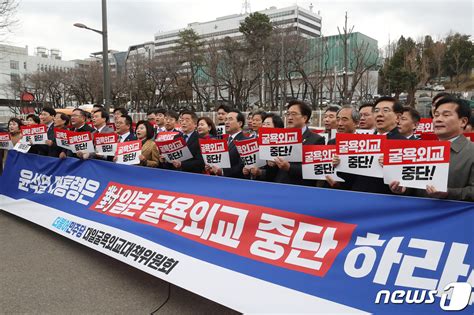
pixel 354 112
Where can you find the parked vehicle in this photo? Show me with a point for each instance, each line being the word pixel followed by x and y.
pixel 438 87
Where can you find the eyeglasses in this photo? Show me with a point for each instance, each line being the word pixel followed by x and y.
pixel 384 110
pixel 292 114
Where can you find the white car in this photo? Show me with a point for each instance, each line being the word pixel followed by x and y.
pixel 438 88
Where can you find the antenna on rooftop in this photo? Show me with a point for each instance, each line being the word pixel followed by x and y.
pixel 246 7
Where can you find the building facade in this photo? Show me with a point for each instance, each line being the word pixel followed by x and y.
pixel 15 62
pixel 305 22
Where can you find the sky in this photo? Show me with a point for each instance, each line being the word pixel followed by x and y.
pixel 49 23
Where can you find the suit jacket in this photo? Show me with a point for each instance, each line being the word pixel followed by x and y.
pixel 150 152
pixel 106 129
pixel 461 171
pixel 196 164
pixel 43 149
pixel 54 150
pixel 131 137
pixel 295 174
pixel 236 164
pixel 366 183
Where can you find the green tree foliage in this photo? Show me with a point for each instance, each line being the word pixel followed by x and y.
pixel 459 56
pixel 400 72
pixel 257 30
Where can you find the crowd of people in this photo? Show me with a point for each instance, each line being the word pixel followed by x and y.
pixel 386 116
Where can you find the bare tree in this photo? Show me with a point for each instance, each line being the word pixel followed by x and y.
pixel 363 60
pixel 314 71
pixel 85 84
pixel 238 75
pixel 8 20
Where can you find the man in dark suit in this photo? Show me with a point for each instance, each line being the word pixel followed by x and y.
pixel 78 122
pixel 188 121
pixel 124 130
pixel 297 116
pixel 450 118
pixel 409 121
pixel 387 111
pixel 234 122
pixel 171 119
pixel 47 118
pixel 100 118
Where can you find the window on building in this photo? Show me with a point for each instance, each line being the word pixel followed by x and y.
pixel 14 77
pixel 24 65
pixel 14 65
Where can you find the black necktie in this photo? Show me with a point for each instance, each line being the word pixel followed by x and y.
pixel 185 138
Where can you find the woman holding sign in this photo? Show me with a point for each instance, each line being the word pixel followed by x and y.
pixel 150 155
pixel 14 130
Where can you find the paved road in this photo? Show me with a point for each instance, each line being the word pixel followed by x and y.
pixel 42 272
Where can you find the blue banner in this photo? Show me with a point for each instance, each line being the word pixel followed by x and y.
pixel 284 248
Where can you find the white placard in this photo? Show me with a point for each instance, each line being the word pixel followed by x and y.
pixel 129 152
pixel 361 164
pixel 22 147
pixel 418 176
pixel 319 171
pixel 288 152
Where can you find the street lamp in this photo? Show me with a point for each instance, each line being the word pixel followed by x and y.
pixel 105 53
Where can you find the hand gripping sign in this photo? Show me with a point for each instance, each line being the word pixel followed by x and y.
pixel 248 151
pixel 34 134
pixel 317 162
pixel 106 143
pixel 5 141
pixel 285 143
pixel 80 141
pixel 166 136
pixel 417 163
pixel 129 152
pixel 174 150
pixel 425 126
pixel 359 154
pixel 61 137
pixel 215 152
